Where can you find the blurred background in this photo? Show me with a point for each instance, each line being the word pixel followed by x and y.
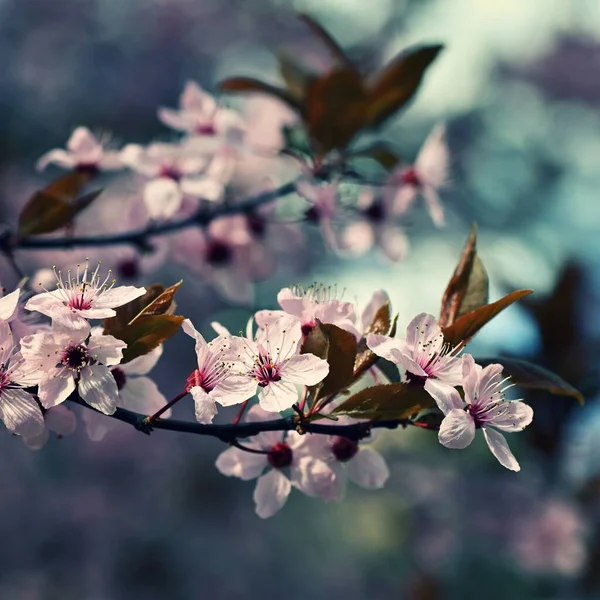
pixel 137 517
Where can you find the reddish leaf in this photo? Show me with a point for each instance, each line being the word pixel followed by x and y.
pixel 251 85
pixel 296 76
pixel 67 187
pixel 462 330
pixel 162 304
pixel 366 358
pixel 128 312
pixel 529 375
pixel 334 48
pixel 43 214
pixel 335 109
pixel 398 81
pixel 147 333
pixel 386 402
pixel 468 287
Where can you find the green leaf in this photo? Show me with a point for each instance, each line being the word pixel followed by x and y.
pixel 469 286
pixel 147 333
pixel 531 376
pixel 338 348
pixel 335 109
pixel 464 328
pixel 398 81
pixel 386 402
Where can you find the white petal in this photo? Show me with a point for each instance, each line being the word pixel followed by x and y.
pixel 61 420
pixel 36 442
pixel 205 406
pixel 446 397
pixel 305 369
pixel 378 299
pixel 141 395
pixel 389 348
pixel 8 304
pixel 434 205
pixel 317 478
pixel 45 302
pixel 97 425
pixel 270 493
pixel 457 430
pixel 98 388
pixel 432 161
pixel 393 241
pixel 237 463
pixel 6 342
pixel 118 296
pixel 56 386
pixel 234 390
pixel 278 396
pixel 21 413
pixel 59 157
pixel 203 187
pixel 368 469
pixel 106 349
pixel 142 365
pixel 499 448
pixel 162 197
pixel 514 416
pixel 424 332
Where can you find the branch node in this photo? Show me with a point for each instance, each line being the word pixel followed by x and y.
pixel 144 425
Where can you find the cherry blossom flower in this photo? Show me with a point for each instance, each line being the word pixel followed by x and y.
pixel 423 354
pixel 377 301
pixel 174 170
pixel 65 360
pixel 425 177
pixel 18 409
pixel 273 363
pixel 325 207
pixel 136 392
pixel 225 255
pixel 213 381
pixel 85 152
pixel 484 407
pixel 85 296
pixel 200 115
pixel 59 420
pixel 376 227
pixel 287 468
pixel 8 305
pixel 317 302
pixel 347 459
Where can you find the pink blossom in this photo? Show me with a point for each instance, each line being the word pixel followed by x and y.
pixel 18 409
pixel 423 354
pixel 136 392
pixel 425 177
pixel 68 359
pixel 8 305
pixel 84 296
pixel 200 115
pixel 325 207
pixel 273 363
pixel 84 151
pixel 317 302
pixel 376 227
pixel 287 468
pixel 59 420
pixel 377 301
pixel 484 407
pixel 214 381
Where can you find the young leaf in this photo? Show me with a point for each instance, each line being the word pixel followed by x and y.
pixel 68 186
pixel 251 85
pixel 296 76
pixel 468 287
pixel 162 304
pixel 338 348
pixel 386 402
pixel 335 109
pixel 334 48
pixel 464 328
pixel 398 81
pixel 366 358
pixel 529 375
pixel 43 214
pixel 147 333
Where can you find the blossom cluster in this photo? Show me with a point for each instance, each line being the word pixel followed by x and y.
pixel 222 151
pixel 67 357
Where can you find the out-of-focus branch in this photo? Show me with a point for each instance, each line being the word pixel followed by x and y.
pixel 139 237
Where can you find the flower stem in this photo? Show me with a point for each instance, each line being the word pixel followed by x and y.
pixel 240 414
pixel 166 407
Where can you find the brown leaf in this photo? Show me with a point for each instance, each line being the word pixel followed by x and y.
pixel 335 109
pixel 147 333
pixel 334 48
pixel 68 186
pixel 366 358
pixel 338 348
pixel 128 312
pixel 386 402
pixel 529 375
pixel 381 321
pixel 398 81
pixel 43 214
pixel 162 304
pixel 251 85
pixel 297 77
pixel 464 328
pixel 468 287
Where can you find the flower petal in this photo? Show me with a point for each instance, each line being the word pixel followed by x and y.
pixel 514 416
pixel 305 369
pixel 61 420
pixel 141 395
pixel 8 304
pixel 318 478
pixel 389 348
pixel 118 296
pixel 21 413
pixel 97 425
pixel 445 396
pixel 368 469
pixel 234 389
pixel 457 430
pixel 106 349
pixel 205 406
pixel 162 197
pixel 142 365
pixel 234 462
pixel 270 493
pixel 278 396
pixel 56 386
pixel 499 448
pixel 98 388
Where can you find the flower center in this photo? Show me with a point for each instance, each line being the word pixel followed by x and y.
pixel 265 370
pixel 344 449
pixel 308 327
pixel 129 268
pixel 200 379
pixel 218 253
pixel 206 129
pixel 4 379
pixel 75 357
pixel 78 301
pixel 411 177
pixel 280 456
pixel 313 215
pixel 375 212
pixel 120 377
pixel 89 168
pixel 170 172
pixel 256 225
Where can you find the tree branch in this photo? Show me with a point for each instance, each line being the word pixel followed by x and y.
pixel 138 237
